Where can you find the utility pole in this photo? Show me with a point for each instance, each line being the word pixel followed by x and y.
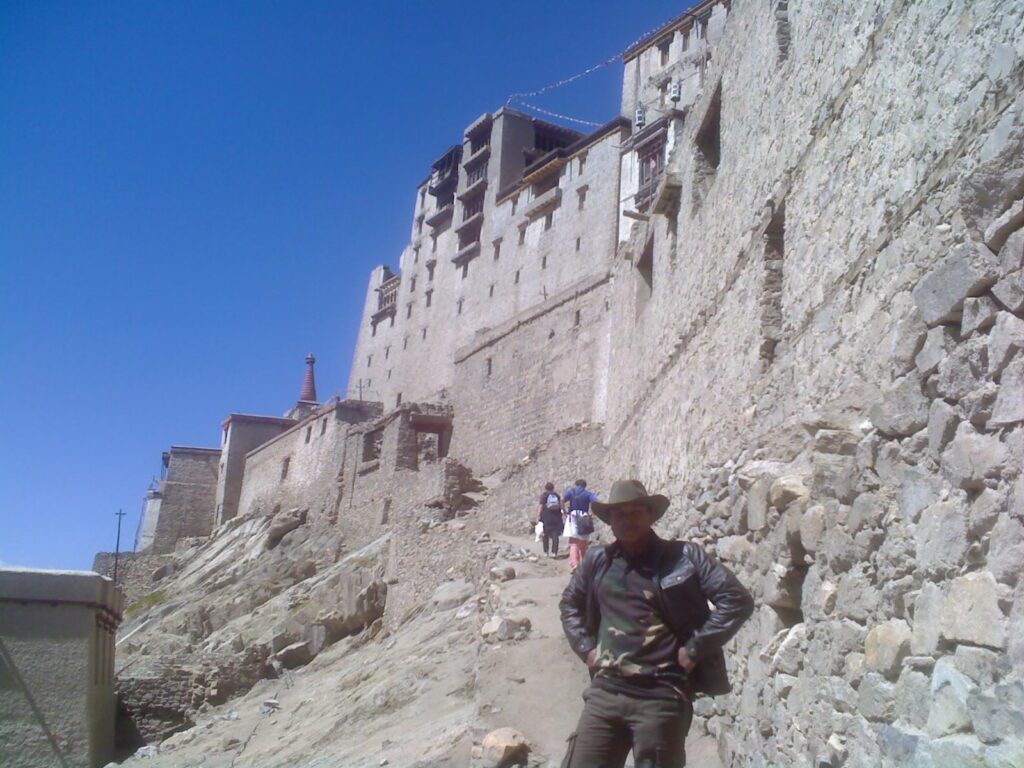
pixel 117 547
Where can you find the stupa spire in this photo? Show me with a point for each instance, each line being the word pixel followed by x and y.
pixel 308 393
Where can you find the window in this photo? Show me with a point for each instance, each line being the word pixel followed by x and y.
pixel 284 467
pixel 472 207
pixel 771 286
pixel 412 285
pixel 372 442
pixel 423 333
pixel 389 374
pixel 369 360
pixel 465 270
pixel 516 279
pixel 576 319
pixel 578 244
pixel 430 270
pixel 373 330
pixel 405 343
pixel 419 224
pixel 709 149
pixel 309 432
pixel 522 235
pixel 459 307
pixel 408 310
pixel 686 40
pixel 433 243
pixel 387 352
pixel 543 262
pixel 490 291
pixel 549 219
pixel 583 162
pixel 430 296
pixel 398 399
pixel 515 202
pixel 663 50
pixel 497 249
pixel 490 367
pixel 323 426
pixel 477 174
pixel 423 196
pixel 581 198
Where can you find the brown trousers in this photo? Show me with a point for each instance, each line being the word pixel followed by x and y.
pixel 613 723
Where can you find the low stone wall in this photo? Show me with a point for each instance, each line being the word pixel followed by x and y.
pixel 138 573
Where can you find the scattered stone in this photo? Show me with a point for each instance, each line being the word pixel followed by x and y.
pixel 903 409
pixel 942 423
pixel 735 549
pixel 1011 255
pixel 812 527
pixel 912 697
pixel 885 647
pixel 1009 403
pixel 876 697
pixel 838 441
pixel 971 612
pixel 999 231
pixel 971 457
pixel 967 271
pixel 1010 291
pixel 941 538
pixel 907 338
pixel 499 629
pixel 979 314
pixel 937 344
pixel 789 657
pixel 1005 340
pixel 506 573
pixel 984 511
pixel 1006 550
pixel 295 655
pixel 999 714
pixel 786 490
pixel 503 747
pixel 269 705
pixel 948 712
pixel 981 665
pixel 757 503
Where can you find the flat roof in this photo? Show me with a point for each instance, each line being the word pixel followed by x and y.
pixel 55 587
pixel 681 21
pixel 253 417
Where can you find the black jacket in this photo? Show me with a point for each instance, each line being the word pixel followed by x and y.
pixel 687 578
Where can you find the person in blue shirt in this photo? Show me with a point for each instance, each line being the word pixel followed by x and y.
pixel 576 501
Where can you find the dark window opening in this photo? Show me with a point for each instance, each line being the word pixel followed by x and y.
pixel 323 426
pixel 772 283
pixel 430 297
pixel 412 285
pixel 490 367
pixel 583 162
pixel 405 343
pixel 459 310
pixel 423 334
pixel 389 374
pixel 309 433
pixel 398 399
pixel 284 467
pixel 490 291
pixel 549 219
pixel 543 262
pixel 709 148
pixel 387 352
pixel 664 48
pixel 408 310
pixel 522 235
pixel 576 319
pixel 369 360
pixel 497 249
pixel 465 270
pixel 516 279
pixel 581 199
pixel 577 243
pixel 430 271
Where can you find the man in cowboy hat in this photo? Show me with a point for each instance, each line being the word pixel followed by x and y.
pixel 636 611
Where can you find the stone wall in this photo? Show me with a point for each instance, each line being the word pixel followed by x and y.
pixel 138 573
pixel 526 380
pixel 821 371
pixel 187 497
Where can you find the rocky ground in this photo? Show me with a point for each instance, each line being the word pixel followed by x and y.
pixel 274 650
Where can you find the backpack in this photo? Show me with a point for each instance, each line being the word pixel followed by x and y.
pixel 584 524
pixel 552 502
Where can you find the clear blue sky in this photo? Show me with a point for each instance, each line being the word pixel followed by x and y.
pixel 192 195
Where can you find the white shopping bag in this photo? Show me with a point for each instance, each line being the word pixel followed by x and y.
pixel 538 530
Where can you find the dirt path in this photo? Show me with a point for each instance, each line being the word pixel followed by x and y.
pixel 534 685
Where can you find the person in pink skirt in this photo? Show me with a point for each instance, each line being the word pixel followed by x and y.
pixel 579 523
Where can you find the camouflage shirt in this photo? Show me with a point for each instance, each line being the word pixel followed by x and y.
pixel 636 650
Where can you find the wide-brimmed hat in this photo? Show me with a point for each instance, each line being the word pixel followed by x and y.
pixel 630 492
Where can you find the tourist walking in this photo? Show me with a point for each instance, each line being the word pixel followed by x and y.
pixel 550 516
pixel 636 612
pixel 579 523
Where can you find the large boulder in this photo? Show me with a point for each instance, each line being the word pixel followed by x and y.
pixel 504 747
pixel 886 646
pixel 282 524
pixel 903 409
